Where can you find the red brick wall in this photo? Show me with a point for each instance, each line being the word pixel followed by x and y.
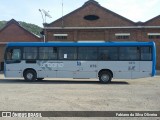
pixel 2 48
pixel 107 18
pixel 153 22
pixel 14 33
pixel 90 35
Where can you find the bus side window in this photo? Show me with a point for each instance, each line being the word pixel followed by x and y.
pixel 67 53
pixel 30 53
pixel 55 52
pixel 146 53
pixel 87 53
pixel 47 53
pixel 129 53
pixel 108 53
pixel 13 54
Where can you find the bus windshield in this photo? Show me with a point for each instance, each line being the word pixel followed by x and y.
pixel 13 54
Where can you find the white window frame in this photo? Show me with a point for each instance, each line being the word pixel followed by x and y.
pixel 122 34
pixel 55 35
pixel 60 36
pixel 153 34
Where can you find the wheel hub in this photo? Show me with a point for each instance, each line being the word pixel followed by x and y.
pixel 30 76
pixel 105 78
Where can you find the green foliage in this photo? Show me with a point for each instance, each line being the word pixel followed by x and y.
pixel 30 27
pixel 2 24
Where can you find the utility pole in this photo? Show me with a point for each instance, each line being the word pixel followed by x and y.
pixel 62 15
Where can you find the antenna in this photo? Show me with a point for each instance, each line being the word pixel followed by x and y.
pixel 41 14
pixel 46 14
pixel 62 15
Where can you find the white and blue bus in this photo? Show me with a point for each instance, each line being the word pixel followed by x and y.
pixel 120 60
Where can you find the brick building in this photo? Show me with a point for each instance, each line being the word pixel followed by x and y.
pixel 92 22
pixel 14 32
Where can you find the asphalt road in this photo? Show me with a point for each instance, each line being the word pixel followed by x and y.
pixel 80 95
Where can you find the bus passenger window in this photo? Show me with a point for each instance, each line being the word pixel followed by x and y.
pixel 129 53
pixel 30 53
pixel 47 53
pixel 146 53
pixel 67 53
pixel 87 53
pixel 108 53
pixel 13 54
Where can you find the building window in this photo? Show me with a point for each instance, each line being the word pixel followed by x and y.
pixel 60 36
pixel 91 17
pixel 122 35
pixel 154 35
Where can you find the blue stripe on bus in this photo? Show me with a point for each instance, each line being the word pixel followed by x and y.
pixel 81 44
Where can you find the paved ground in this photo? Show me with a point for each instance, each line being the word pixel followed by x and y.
pixel 80 95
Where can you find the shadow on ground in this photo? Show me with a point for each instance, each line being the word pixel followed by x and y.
pixel 20 81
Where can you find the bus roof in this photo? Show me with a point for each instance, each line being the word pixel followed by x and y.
pixel 83 44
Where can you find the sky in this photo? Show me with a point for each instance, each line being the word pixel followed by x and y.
pixel 28 10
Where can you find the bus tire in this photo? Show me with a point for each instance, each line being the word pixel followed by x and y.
pixel 40 79
pixel 30 75
pixel 105 77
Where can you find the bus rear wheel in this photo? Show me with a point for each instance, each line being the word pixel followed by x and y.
pixel 30 75
pixel 105 77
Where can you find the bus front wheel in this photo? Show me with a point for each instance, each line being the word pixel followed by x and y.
pixel 105 77
pixel 30 75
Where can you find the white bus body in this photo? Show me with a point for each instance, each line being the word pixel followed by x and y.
pixel 61 67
